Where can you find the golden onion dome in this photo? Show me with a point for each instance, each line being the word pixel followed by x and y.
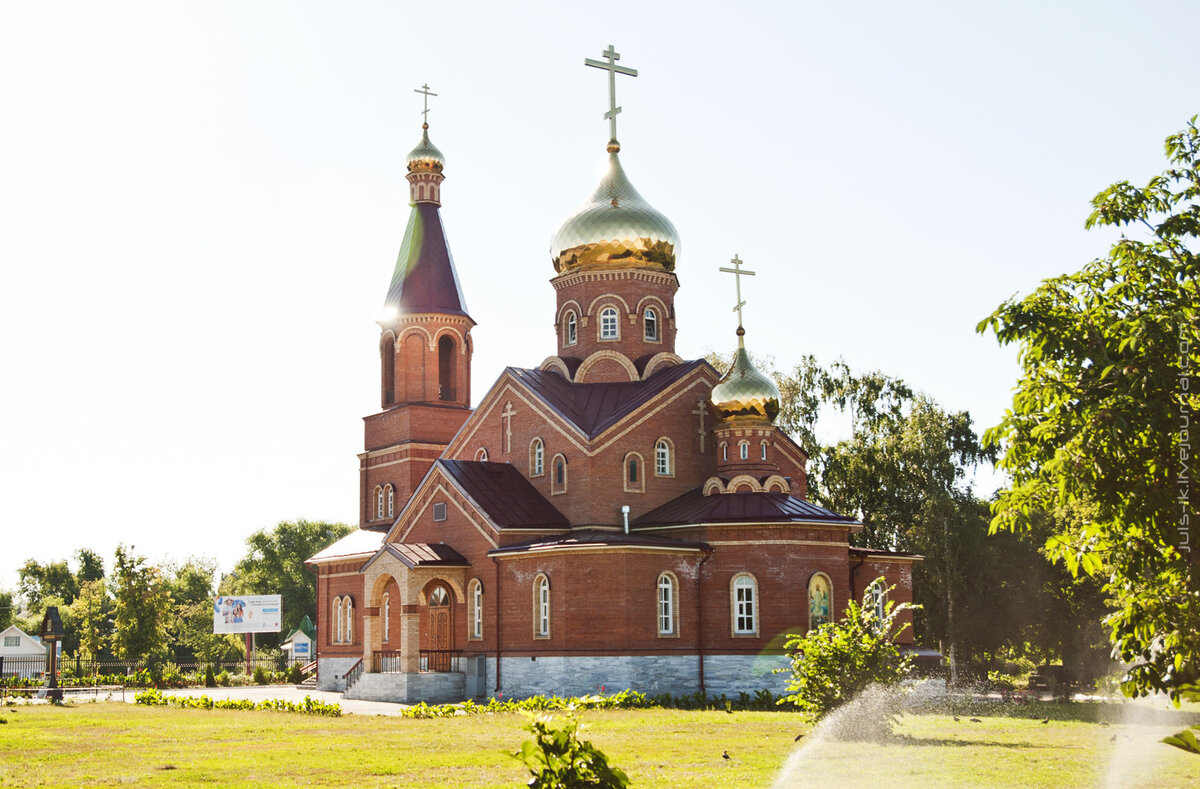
pixel 615 228
pixel 744 392
pixel 425 157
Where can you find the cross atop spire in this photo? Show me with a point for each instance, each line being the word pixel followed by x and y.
pixel 612 56
pixel 425 112
pixel 738 272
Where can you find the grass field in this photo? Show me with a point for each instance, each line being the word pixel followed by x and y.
pixel 108 743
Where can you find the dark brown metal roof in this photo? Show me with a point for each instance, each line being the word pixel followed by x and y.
pixel 593 408
pixel 424 279
pixel 585 538
pixel 695 507
pixel 503 494
pixel 423 554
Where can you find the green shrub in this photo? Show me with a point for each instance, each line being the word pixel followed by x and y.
pixel 260 676
pixel 209 680
pixel 294 674
pixel 309 706
pixel 223 679
pixel 836 662
pixel 558 759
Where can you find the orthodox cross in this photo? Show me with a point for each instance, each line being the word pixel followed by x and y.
pixel 425 89
pixel 507 416
pixel 613 70
pixel 702 410
pixel 738 272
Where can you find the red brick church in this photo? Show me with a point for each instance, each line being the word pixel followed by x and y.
pixel 617 517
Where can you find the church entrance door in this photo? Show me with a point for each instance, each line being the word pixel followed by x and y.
pixel 440 644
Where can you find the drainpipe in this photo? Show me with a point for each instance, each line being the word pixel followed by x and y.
pixel 498 618
pixel 700 614
pixel 853 572
pixel 625 515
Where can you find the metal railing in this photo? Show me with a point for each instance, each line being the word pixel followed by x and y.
pixel 354 673
pixel 441 660
pixel 386 661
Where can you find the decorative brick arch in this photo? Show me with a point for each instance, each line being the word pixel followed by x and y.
pixel 407 330
pixel 776 484
pixel 714 486
pixel 555 364
pixel 653 301
pixel 462 341
pixel 569 306
pixel 599 300
pixel 743 480
pixel 664 359
pixel 598 356
pixel 455 586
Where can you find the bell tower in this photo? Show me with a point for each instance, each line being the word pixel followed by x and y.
pixel 424 349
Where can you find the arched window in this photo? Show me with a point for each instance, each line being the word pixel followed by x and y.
pixel 559 467
pixel 391 501
pixel 764 450
pixel 476 599
pixel 337 620
pixel 481 455
pixel 572 330
pixel 744 596
pixel 634 478
pixel 379 503
pixel 820 600
pixel 879 598
pixel 744 450
pixel 387 617
pixel 724 451
pixel 541 606
pixel 651 324
pixel 608 324
pixel 349 620
pixel 387 357
pixel 446 368
pixel 537 458
pixel 662 458
pixel 667 623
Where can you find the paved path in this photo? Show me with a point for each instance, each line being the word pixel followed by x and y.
pixel 285 693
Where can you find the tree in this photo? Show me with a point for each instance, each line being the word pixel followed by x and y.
pixel 274 564
pixel 92 612
pixel 91 566
pixel 40 581
pixel 838 661
pixel 190 632
pixel 142 606
pixel 1101 415
pixel 8 608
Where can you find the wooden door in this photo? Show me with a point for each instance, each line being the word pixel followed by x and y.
pixel 439 630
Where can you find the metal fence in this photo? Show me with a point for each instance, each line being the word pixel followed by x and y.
pixel 79 670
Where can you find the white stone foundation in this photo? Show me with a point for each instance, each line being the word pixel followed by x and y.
pixel 331 672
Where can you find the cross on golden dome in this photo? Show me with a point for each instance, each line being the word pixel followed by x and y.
pixel 613 70
pixel 738 272
pixel 425 112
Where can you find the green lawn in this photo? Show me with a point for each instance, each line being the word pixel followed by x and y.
pixel 111 743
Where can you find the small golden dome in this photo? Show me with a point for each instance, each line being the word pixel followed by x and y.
pixel 615 228
pixel 425 157
pixel 744 392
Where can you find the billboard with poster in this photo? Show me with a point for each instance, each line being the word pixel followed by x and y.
pixel 247 613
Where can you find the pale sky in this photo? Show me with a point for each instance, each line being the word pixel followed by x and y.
pixel 201 205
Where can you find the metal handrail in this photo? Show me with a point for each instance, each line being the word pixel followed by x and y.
pixel 441 660
pixel 353 674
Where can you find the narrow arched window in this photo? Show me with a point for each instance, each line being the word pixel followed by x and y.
pixel 666 605
pixel 477 610
pixel 651 324
pixel 349 620
pixel 387 617
pixel 724 451
pixel 879 599
pixel 608 324
pixel 446 368
pixel 662 458
pixel 379 503
pixel 338 627
pixel 744 450
pixel 559 466
pixel 572 330
pixel 391 501
pixel 820 600
pixel 764 450
pixel 537 458
pixel 482 454
pixel 745 605
pixel 541 607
